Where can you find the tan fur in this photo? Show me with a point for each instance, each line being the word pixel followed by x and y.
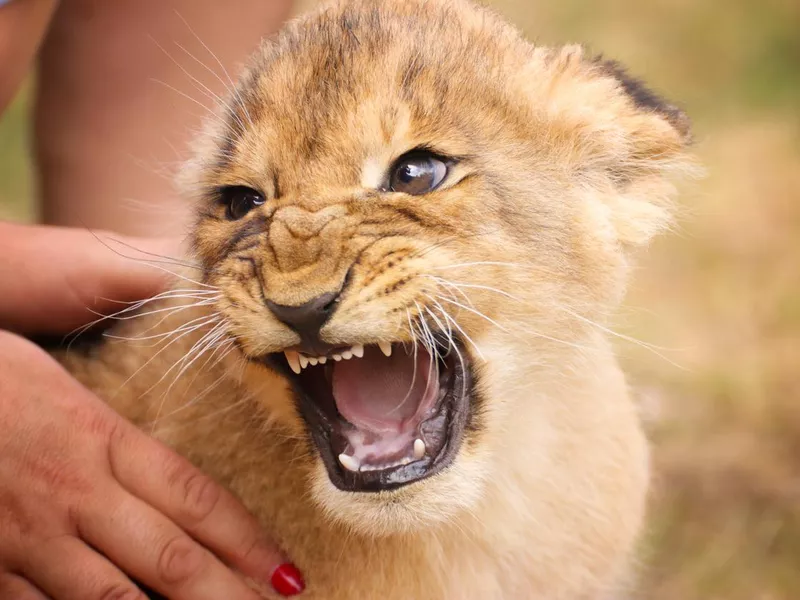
pixel 562 174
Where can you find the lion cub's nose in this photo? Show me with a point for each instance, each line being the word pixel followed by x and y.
pixel 306 319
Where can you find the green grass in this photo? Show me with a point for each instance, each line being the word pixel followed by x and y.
pixel 15 164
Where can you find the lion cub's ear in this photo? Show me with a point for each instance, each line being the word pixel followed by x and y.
pixel 629 145
pixel 643 97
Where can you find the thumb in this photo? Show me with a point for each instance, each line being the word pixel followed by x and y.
pixel 56 279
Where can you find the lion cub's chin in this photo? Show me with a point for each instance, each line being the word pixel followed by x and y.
pixel 409 509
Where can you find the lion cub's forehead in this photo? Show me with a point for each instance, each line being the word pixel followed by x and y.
pixel 362 81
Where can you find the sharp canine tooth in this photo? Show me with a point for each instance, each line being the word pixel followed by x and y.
pixel 419 448
pixel 313 361
pixel 386 348
pixel 347 355
pixel 358 350
pixel 303 361
pixel 337 357
pixel 322 360
pixel 350 463
pixel 294 361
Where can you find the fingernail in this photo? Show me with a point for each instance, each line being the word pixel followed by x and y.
pixel 287 580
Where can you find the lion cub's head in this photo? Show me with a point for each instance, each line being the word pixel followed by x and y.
pixel 418 217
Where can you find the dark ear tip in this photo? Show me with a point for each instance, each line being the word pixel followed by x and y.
pixel 681 122
pixel 645 98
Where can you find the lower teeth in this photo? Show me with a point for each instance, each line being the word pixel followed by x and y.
pixel 419 448
pixel 351 463
pixel 401 463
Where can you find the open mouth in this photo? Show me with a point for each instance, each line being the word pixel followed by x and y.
pixel 382 415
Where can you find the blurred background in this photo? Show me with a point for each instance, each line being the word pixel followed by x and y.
pixel 720 297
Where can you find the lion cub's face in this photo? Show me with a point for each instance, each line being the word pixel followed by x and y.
pixel 414 215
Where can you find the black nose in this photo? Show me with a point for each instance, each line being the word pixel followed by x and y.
pixel 306 319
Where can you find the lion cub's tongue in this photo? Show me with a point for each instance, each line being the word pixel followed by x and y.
pixel 382 393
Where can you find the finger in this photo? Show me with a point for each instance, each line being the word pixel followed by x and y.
pixel 197 504
pixel 156 552
pixel 14 587
pixel 67 569
pixel 56 278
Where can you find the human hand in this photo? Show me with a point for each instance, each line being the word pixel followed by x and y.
pixel 87 501
pixel 57 278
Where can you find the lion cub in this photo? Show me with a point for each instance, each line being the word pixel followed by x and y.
pixel 411 227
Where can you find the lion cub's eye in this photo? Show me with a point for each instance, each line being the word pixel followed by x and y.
pixel 417 173
pixel 240 200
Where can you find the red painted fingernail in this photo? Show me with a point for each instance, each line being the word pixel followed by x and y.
pixel 287 580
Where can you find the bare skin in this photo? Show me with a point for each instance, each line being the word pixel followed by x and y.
pixel 22 29
pixel 120 495
pixel 56 279
pixel 87 501
pixel 117 104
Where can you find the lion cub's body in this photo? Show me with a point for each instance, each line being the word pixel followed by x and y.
pixel 564 175
pixel 522 539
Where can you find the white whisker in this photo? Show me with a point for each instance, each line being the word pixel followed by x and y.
pixel 172 293
pixel 124 316
pixel 649 347
pixel 450 286
pixel 528 331
pixel 210 112
pixel 458 284
pixel 433 353
pixel 227 348
pixel 443 327
pixel 205 342
pixel 232 88
pixel 159 336
pixel 74 334
pixel 414 372
pixel 163 259
pixel 482 262
pixel 457 326
pixel 182 335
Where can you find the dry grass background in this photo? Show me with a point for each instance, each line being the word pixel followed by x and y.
pixel 722 294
